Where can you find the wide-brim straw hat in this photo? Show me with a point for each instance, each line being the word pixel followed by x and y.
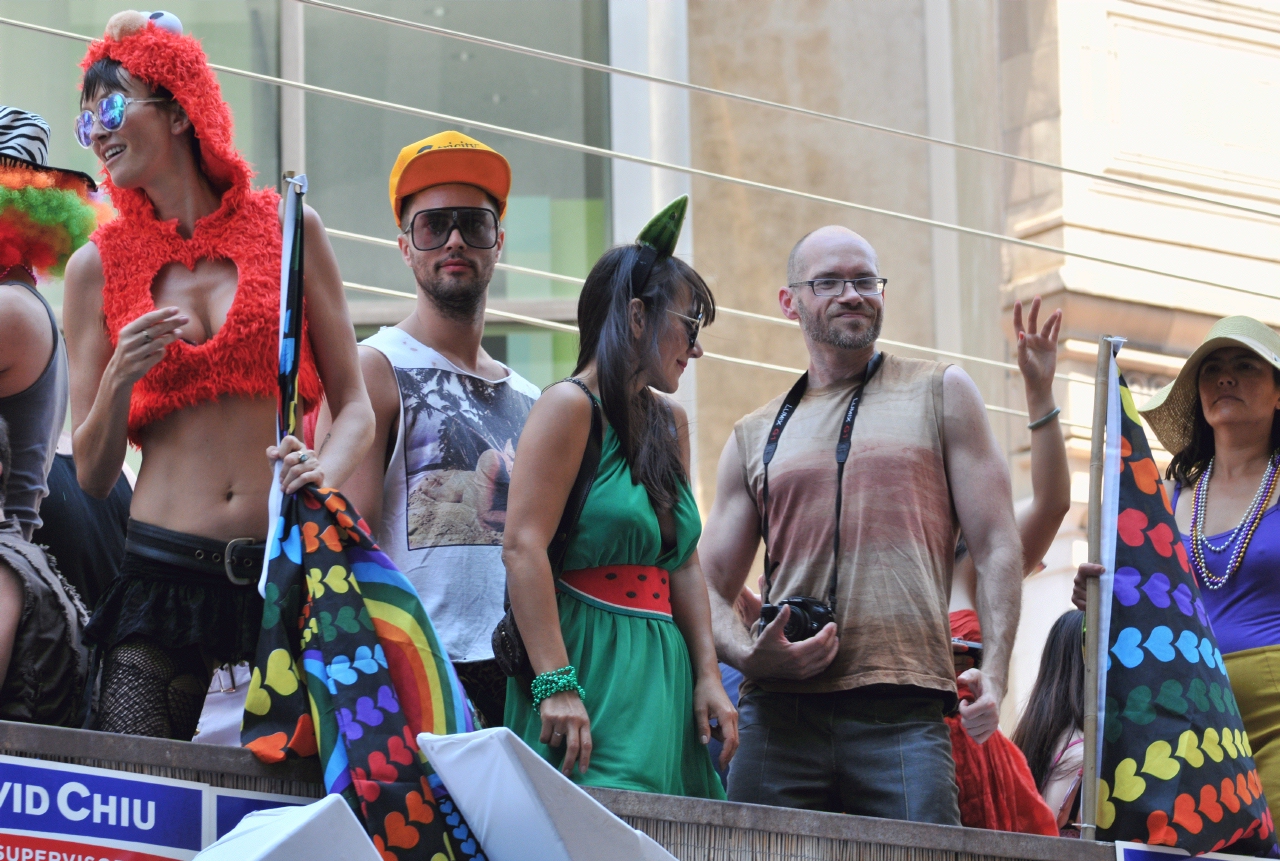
pixel 1171 412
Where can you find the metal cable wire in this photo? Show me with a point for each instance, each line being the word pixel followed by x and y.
pixel 691 171
pixel 720 309
pixel 781 106
pixel 720 357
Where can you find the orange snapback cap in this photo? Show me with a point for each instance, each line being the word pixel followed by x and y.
pixel 449 157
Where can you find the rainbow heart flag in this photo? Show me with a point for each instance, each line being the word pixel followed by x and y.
pixel 1176 767
pixel 348 665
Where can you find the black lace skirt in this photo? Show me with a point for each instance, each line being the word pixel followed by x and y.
pixel 175 590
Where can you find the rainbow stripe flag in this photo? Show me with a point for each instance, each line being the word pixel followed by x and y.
pixel 348 665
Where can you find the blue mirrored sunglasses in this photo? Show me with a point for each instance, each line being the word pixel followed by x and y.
pixel 110 113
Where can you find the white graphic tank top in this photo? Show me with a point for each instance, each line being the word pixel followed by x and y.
pixel 444 498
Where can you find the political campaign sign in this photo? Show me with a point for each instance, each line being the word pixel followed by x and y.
pixel 52 811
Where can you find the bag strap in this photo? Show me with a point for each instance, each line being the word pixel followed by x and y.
pixel 581 485
pixel 789 404
pixel 843 443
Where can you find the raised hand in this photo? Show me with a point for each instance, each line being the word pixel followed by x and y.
pixel 1037 349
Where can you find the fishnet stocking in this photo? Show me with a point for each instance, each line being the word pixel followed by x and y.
pixel 152 691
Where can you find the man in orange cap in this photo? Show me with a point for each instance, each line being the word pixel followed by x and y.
pixel 434 483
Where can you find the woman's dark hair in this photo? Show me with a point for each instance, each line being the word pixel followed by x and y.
pixel 1189 464
pixel 104 77
pixel 642 422
pixel 1057 699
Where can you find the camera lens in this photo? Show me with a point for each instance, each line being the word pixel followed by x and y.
pixel 798 625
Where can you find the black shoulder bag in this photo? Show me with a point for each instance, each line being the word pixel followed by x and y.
pixel 508 646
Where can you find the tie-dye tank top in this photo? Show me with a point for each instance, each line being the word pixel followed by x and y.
pixel 898 529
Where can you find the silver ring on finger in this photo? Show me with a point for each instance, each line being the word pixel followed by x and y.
pixel 302 458
pixel 146 336
pixel 555 733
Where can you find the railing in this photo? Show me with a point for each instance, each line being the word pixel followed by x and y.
pixel 689 828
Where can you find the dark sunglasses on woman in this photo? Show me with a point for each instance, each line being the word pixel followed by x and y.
pixel 431 228
pixel 692 325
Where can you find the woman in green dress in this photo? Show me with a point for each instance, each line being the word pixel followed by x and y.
pixel 628 688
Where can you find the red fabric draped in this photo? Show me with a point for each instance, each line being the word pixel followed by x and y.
pixel 997 791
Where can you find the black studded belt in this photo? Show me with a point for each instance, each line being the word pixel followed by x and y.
pixel 239 559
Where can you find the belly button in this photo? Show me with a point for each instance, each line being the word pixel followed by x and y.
pixel 229 495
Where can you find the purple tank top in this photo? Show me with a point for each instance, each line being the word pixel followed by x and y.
pixel 1245 613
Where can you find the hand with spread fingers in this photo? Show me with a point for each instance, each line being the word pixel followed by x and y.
pixel 141 344
pixel 301 465
pixel 565 722
pixel 1037 349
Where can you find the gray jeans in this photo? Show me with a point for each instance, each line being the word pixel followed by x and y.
pixel 884 753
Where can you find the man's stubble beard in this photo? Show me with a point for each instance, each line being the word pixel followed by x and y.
pixel 454 297
pixel 819 330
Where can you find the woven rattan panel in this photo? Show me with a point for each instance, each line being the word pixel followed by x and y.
pixel 691 829
pixel 690 841
pixel 697 830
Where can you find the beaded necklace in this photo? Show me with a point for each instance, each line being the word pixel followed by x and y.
pixel 1248 523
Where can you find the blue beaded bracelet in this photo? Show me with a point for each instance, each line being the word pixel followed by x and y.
pixel 555 682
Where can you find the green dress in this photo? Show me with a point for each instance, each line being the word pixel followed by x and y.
pixel 635 668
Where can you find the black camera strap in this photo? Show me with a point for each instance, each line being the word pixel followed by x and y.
pixel 788 408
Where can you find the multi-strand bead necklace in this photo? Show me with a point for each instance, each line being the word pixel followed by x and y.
pixel 1247 525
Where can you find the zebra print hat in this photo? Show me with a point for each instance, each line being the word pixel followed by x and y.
pixel 24 140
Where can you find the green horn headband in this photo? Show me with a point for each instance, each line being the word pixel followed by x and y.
pixel 658 240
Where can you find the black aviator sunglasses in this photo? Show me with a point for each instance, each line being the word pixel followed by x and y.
pixel 430 229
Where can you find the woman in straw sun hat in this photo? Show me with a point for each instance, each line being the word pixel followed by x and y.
pixel 1218 418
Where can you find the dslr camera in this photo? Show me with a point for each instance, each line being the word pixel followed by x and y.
pixel 808 617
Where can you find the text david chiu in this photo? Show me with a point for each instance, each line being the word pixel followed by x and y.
pixel 75 802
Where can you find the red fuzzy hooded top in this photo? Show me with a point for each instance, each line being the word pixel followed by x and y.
pixel 242 358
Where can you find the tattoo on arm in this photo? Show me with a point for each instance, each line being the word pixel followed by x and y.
pixel 320 450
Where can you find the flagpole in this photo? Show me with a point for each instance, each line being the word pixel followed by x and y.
pixel 1093 608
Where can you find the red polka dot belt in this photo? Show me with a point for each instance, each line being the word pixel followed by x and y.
pixel 633 590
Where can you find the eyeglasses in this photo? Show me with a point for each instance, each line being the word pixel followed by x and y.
pixel 110 113
pixel 692 325
pixel 431 228
pixel 868 286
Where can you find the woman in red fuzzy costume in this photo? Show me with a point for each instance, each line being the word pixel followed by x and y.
pixel 171 315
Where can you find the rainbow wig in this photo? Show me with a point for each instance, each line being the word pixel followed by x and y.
pixel 45 215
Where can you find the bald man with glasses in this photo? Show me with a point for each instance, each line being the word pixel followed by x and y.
pixel 857 481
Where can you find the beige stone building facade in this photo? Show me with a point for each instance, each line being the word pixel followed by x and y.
pixel 1179 95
